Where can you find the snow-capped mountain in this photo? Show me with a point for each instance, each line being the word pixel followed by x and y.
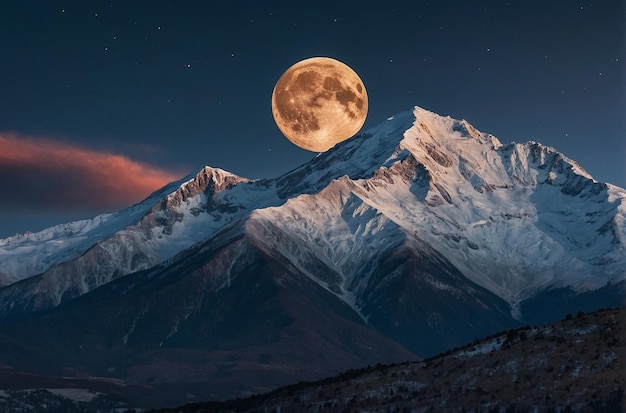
pixel 416 236
pixel 516 219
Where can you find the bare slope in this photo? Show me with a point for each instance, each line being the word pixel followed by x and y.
pixel 574 365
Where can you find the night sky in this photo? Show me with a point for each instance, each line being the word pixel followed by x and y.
pixel 104 101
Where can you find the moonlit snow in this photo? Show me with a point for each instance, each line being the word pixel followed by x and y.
pixel 514 218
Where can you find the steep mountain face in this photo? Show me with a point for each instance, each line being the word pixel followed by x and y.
pixel 396 282
pixel 67 261
pixel 418 235
pixel 223 320
pixel 506 216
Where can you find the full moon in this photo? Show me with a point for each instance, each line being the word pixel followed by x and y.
pixel 319 102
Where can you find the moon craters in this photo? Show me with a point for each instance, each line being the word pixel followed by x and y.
pixel 332 84
pixel 319 102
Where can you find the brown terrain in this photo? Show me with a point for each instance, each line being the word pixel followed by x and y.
pixel 578 364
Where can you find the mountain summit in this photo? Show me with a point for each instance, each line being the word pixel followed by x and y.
pixel 416 236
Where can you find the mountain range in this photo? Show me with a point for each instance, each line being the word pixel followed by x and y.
pixel 416 236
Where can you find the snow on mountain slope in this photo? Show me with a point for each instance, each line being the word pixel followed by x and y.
pixel 27 254
pixel 520 217
pixel 183 213
pixel 515 219
pixel 333 228
pixel 511 216
pixel 135 239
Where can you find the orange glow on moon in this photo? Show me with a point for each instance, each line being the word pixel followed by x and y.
pixel 319 102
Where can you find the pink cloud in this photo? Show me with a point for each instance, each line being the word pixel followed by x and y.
pixel 47 174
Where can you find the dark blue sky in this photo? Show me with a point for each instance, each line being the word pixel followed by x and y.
pixel 178 85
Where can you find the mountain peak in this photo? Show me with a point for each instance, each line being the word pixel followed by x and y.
pixel 434 177
pixel 208 180
pixel 422 229
pixel 453 150
pixel 446 127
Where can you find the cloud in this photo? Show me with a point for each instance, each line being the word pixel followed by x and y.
pixel 51 175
